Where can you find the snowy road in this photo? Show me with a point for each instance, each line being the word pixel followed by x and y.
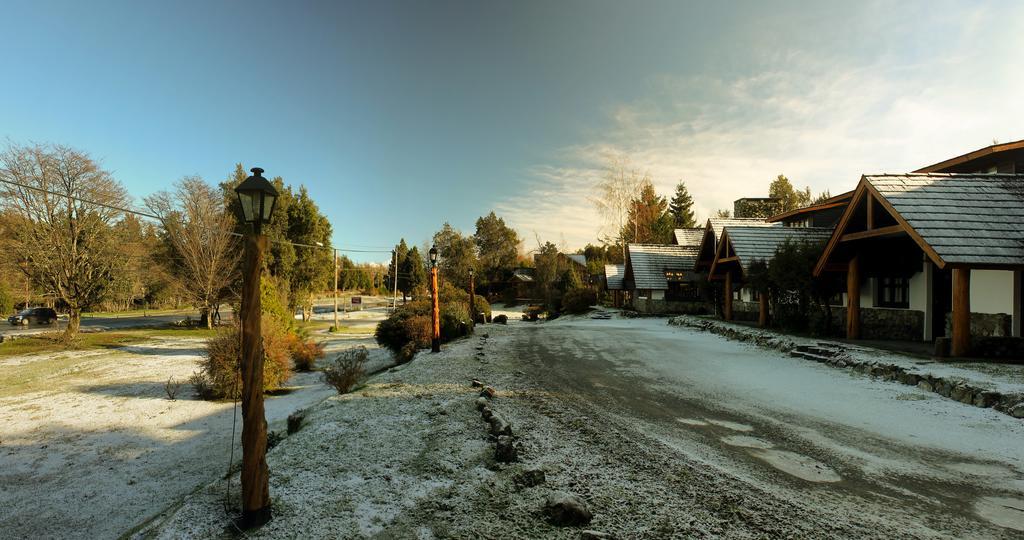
pixel 829 439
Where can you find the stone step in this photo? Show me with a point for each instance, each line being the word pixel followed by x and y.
pixel 807 355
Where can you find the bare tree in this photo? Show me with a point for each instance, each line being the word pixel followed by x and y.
pixel 198 228
pixel 68 206
pixel 615 193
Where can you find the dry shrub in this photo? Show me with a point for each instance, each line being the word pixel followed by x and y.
pixel 305 352
pixel 172 387
pixel 219 376
pixel 346 370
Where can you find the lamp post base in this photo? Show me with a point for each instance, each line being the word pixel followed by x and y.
pixel 250 519
pixel 435 345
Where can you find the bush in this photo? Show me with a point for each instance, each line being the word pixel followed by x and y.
pixel 6 301
pixel 219 376
pixel 402 327
pixel 501 319
pixel 346 370
pixel 304 352
pixel 578 300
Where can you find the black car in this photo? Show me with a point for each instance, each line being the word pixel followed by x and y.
pixel 36 315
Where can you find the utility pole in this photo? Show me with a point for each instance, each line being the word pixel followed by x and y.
pixel 394 291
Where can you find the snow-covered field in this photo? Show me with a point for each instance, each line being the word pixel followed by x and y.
pixel 97 448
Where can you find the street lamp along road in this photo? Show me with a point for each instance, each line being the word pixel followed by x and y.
pixel 472 294
pixel 257 197
pixel 435 342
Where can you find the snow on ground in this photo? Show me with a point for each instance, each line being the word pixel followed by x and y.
pixel 96 447
pixel 407 456
pixel 875 431
pixel 1004 378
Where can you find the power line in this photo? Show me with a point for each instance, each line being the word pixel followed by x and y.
pixel 157 218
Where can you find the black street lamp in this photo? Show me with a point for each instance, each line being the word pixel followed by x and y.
pixel 435 341
pixel 472 294
pixel 257 197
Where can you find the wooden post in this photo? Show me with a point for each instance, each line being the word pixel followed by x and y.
pixel 727 310
pixel 961 342
pixel 255 486
pixel 762 316
pixel 435 342
pixel 853 299
pixel 472 294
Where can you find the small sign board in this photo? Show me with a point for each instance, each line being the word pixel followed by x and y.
pixel 356 300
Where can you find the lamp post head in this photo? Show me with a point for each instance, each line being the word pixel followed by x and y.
pixel 257 196
pixel 433 255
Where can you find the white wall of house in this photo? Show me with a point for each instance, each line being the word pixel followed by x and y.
pixel 867 293
pixel 919 290
pixel 992 291
pixel 1018 304
pixel 657 295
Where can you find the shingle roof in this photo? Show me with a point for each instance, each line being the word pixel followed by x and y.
pixel 688 236
pixel 648 263
pixel 965 218
pixel 713 232
pixel 578 258
pixel 717 224
pixel 759 243
pixel 613 274
pixel 523 274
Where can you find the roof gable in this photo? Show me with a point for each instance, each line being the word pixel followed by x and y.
pixel 688 236
pixel 959 219
pixel 712 231
pixel 614 274
pixel 744 245
pixel 647 263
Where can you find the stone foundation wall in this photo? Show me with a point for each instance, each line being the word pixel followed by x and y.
pixel 663 307
pixel 985 324
pixel 745 311
pixel 898 324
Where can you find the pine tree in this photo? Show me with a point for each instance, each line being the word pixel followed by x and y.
pixel 681 207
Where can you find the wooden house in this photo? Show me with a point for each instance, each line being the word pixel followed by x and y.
pixel 613 274
pixel 933 254
pixel 738 248
pixel 823 214
pixel 1004 158
pixel 711 232
pixel 659 278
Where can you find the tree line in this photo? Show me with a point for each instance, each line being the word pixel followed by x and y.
pixel 67 240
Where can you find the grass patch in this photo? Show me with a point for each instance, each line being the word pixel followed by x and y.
pixel 141 312
pixel 365 330
pixel 52 342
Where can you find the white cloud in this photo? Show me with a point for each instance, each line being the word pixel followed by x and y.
pixel 821 118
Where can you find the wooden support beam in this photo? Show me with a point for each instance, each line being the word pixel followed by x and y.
pixel 727 311
pixel 961 342
pixel 853 299
pixel 728 259
pixel 870 200
pixel 884 231
pixel 762 315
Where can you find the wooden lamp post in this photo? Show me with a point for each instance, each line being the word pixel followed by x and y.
pixel 435 341
pixel 472 295
pixel 257 197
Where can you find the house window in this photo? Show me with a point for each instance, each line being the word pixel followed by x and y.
pixel 894 292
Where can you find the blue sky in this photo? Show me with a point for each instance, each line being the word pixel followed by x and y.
pixel 400 116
